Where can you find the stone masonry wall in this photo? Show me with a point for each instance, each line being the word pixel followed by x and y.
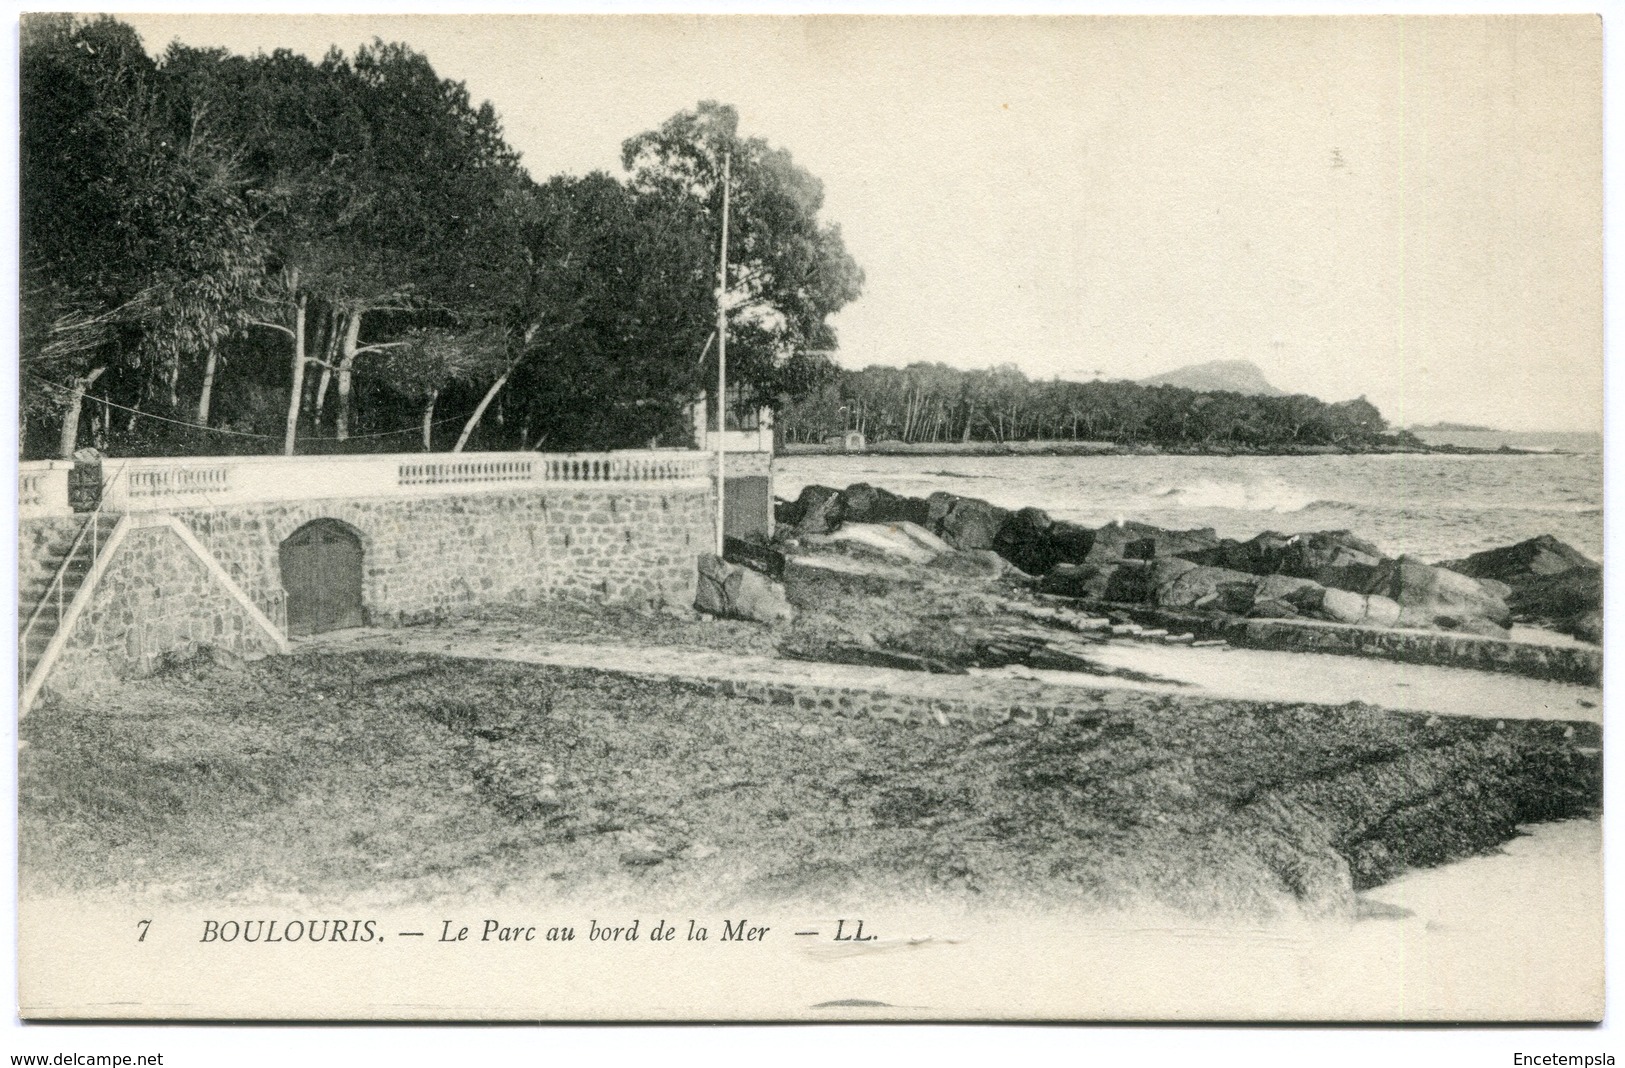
pixel 432 556
pixel 155 596
pixel 35 539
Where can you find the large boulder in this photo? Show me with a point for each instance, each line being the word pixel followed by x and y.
pixel 754 596
pixel 1077 580
pixel 710 595
pixel 1334 558
pixel 1571 601
pixel 821 509
pixel 1437 597
pixel 1029 538
pixel 937 507
pixel 1526 561
pixel 1166 582
pixel 1430 600
pixel 1559 596
pixel 1543 580
pixel 1260 555
pixel 787 512
pixel 1201 588
pixel 1128 540
pixel 1070 543
pixel 1126 581
pixel 863 503
pixel 734 592
pixel 1285 597
pixel 1130 582
pixel 1359 609
pixel 966 522
pixel 810 513
pixel 1171 582
pixel 1024 541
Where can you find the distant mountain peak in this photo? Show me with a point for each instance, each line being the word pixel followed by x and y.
pixel 1232 376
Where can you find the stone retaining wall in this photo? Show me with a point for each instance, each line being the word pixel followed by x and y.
pixel 435 556
pixel 422 558
pixel 155 596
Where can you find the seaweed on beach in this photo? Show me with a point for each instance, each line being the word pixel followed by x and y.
pixel 408 777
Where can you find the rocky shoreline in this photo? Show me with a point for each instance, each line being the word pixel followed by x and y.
pixel 1332 576
pixel 950 583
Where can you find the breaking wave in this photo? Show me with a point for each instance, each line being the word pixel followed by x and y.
pixel 1240 496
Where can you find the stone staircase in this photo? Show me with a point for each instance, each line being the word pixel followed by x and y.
pixel 40 605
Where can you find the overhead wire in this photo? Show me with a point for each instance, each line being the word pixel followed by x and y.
pixel 415 429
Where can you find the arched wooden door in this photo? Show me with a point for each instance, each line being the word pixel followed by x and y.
pixel 321 572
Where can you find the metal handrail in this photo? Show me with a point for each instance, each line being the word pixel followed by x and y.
pixel 93 526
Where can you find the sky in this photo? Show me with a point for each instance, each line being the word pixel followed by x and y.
pixel 1408 209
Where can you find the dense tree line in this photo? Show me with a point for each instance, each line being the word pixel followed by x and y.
pixel 226 253
pixel 927 402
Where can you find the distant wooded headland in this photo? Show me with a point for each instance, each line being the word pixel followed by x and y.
pixel 934 408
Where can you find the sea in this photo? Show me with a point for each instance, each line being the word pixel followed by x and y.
pixel 1436 507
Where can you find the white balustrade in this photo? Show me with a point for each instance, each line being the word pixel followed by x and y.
pixel 464 472
pixel 625 467
pixel 180 479
pixel 135 485
pixel 42 488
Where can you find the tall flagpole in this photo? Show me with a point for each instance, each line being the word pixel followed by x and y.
pixel 722 349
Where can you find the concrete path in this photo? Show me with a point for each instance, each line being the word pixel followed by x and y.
pixel 1243 674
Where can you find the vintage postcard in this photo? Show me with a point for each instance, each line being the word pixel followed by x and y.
pixel 823 517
